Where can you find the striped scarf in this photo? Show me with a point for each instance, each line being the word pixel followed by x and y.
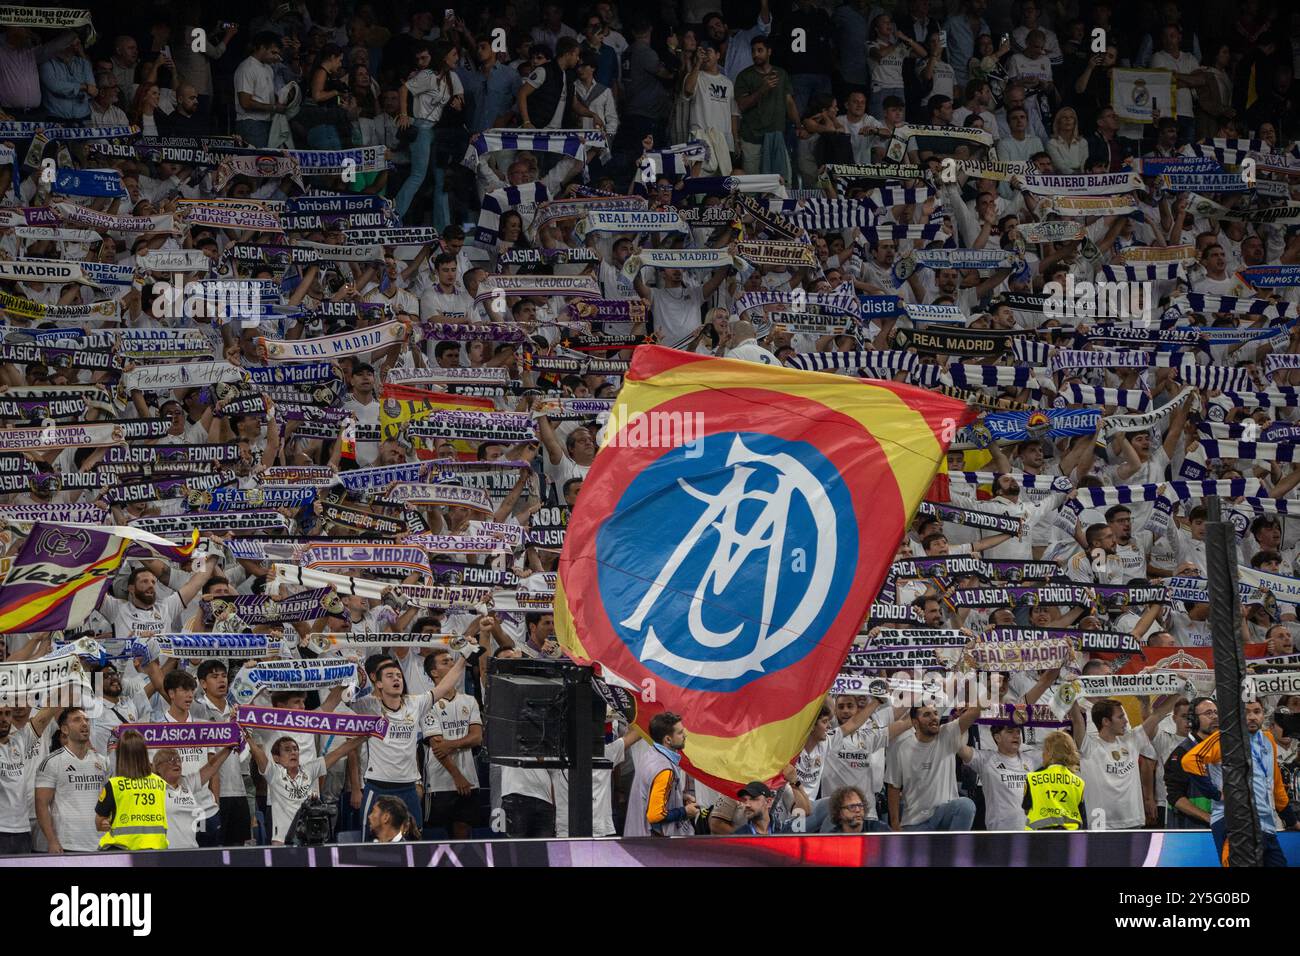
pixel 890 196
pixel 775 225
pixel 1204 302
pixel 1147 272
pixel 896 230
pixel 844 301
pixel 1279 397
pixel 1031 351
pixel 1063 359
pixel 501 201
pixel 1280 361
pixel 676 160
pixel 824 213
pixel 566 142
pixel 886 364
pixel 1215 377
pixel 987 376
pixel 1230 151
pixel 1250 450
pixel 1129 398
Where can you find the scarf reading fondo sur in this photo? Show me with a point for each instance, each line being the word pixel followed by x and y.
pixel 966 517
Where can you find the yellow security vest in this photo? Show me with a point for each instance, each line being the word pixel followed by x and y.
pixel 140 813
pixel 1055 793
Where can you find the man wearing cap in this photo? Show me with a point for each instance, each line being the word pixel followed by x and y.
pixel 756 801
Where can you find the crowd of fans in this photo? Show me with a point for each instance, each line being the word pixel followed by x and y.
pixel 438 209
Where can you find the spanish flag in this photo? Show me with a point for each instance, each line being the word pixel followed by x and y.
pixel 401 404
pixel 733 530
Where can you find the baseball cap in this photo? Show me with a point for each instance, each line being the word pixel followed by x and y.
pixel 756 788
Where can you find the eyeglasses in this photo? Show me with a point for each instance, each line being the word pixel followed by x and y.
pixel 853 806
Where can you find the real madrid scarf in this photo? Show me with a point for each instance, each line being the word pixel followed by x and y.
pixel 952 136
pixel 994 169
pixel 319 674
pixel 361 342
pixel 962 342
pixel 456 544
pixel 679 259
pixel 262 609
pixel 796 255
pixel 540 285
pixel 361 480
pixel 428 495
pixel 311 721
pixel 634 221
pixel 911 658
pixel 954 258
pixel 1269 277
pixel 767 221
pixel 1022 655
pixel 58 271
pixel 1216 377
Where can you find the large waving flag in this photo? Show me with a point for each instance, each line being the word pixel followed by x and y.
pixel 60 574
pixel 731 536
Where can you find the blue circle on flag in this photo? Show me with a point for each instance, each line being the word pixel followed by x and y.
pixel 728 559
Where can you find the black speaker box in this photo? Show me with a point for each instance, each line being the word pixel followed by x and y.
pixel 528 713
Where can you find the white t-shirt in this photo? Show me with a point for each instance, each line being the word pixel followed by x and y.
pixel 1003 781
pixel 13 792
pixel 1185 63
pixel 193 759
pixel 451 720
pixel 676 312
pixel 76 782
pixel 258 80
pixel 809 766
pixel 432 93
pixel 1110 772
pixel 924 771
pixel 851 760
pixel 187 806
pixel 393 759
pixel 712 105
pixel 602 810
pixel 367 451
pixel 286 794
pixel 142 623
pixel 887 72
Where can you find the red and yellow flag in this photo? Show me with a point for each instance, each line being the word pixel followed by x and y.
pixel 731 535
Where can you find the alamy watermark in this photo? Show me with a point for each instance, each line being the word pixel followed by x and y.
pixel 659 429
pixel 1091 300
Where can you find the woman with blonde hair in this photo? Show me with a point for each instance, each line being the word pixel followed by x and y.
pixel 1054 794
pixel 1069 150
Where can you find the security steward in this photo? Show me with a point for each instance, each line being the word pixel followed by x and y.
pixel 132 806
pixel 1054 794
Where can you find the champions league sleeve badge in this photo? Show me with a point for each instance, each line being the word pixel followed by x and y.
pixel 736 525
